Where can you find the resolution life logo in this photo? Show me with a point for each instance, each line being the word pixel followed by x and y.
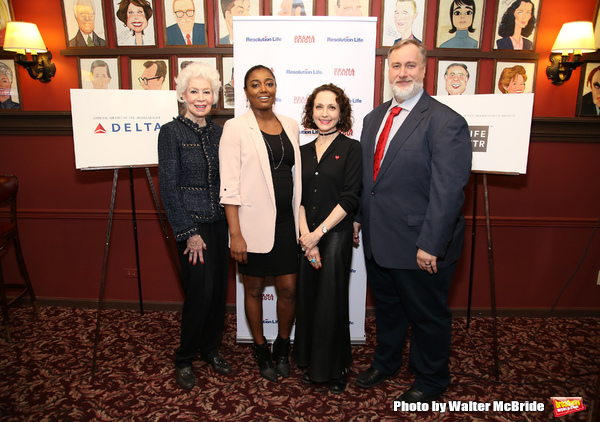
pixel 345 39
pixel 264 39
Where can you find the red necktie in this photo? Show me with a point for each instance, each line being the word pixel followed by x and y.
pixel 189 42
pixel 383 140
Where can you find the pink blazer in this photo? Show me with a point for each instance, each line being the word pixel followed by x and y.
pixel 246 178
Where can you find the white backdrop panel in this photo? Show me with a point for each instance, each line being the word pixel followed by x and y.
pixel 304 53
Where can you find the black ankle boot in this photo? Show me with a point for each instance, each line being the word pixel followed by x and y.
pixel 265 364
pixel 281 350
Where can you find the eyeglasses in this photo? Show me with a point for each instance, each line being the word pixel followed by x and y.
pixel 180 13
pixel 145 80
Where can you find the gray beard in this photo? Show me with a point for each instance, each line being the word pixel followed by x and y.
pixel 402 95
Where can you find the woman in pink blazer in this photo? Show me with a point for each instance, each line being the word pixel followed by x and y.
pixel 259 159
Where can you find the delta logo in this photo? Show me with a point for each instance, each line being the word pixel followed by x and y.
pixel 346 39
pixel 129 127
pixel 566 405
pixel 344 71
pixel 304 39
pixel 266 38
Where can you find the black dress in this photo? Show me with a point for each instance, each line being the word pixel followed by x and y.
pixel 283 258
pixel 322 339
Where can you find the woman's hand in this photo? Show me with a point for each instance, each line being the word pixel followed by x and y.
pixel 309 241
pixel 238 248
pixel 195 248
pixel 355 234
pixel 314 257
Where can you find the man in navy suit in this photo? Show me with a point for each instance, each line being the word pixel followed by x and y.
pixel 412 222
pixel 185 31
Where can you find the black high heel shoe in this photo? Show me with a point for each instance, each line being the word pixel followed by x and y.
pixel 265 364
pixel 338 385
pixel 281 351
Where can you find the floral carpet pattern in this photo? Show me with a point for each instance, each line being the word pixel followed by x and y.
pixel 45 373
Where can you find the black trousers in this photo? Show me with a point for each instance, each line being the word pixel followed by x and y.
pixel 205 290
pixel 417 299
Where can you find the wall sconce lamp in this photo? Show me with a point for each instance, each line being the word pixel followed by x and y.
pixel 574 38
pixel 23 38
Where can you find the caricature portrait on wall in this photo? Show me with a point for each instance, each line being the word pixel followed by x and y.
pixel 228 84
pixel 150 74
pixel 185 22
pixel 6 15
pixel 588 103
pixel 516 24
pixel 292 7
pixel 348 7
pixel 514 77
pixel 84 23
pixel 9 89
pixel 402 19
pixel 459 24
pixel 134 23
pixel 456 77
pixel 227 9
pixel 99 73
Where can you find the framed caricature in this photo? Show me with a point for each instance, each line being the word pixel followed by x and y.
pixel 226 10
pixel 459 24
pixel 456 77
pixel 588 100
pixel 85 25
pixel 292 7
pixel 185 22
pixel 348 7
pixel 183 61
pixel 517 77
pixel 134 23
pixel 6 15
pixel 516 24
pixel 150 74
pixel 99 73
pixel 402 19
pixel 228 85
pixel 9 86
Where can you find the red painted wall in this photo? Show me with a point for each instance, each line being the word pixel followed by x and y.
pixel 541 219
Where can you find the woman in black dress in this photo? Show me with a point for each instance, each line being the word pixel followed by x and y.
pixel 260 189
pixel 331 177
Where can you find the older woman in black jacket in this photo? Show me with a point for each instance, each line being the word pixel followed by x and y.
pixel 188 170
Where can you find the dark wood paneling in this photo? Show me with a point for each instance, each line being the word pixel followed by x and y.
pixel 543 129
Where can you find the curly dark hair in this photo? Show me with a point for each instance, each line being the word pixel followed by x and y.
pixel 124 5
pixel 507 24
pixel 346 120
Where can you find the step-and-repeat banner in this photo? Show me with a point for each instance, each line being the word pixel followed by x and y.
pixel 304 53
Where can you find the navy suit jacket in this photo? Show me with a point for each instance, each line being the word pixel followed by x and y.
pixel 416 201
pixel 175 37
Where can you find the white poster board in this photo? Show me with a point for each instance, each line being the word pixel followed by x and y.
pixel 500 126
pixel 119 128
pixel 304 53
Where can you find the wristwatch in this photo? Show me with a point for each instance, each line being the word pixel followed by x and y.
pixel 324 228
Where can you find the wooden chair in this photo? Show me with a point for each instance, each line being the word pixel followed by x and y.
pixel 9 186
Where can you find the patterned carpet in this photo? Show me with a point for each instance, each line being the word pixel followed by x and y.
pixel 45 373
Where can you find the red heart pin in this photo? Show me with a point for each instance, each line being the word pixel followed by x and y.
pixel 337 157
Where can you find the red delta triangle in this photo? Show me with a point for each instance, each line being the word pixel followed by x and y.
pixel 99 129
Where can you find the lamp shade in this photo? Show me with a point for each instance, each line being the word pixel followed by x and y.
pixel 23 37
pixel 575 36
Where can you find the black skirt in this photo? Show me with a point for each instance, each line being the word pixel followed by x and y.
pixel 283 258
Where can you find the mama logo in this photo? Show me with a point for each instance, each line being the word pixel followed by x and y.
pixel 304 39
